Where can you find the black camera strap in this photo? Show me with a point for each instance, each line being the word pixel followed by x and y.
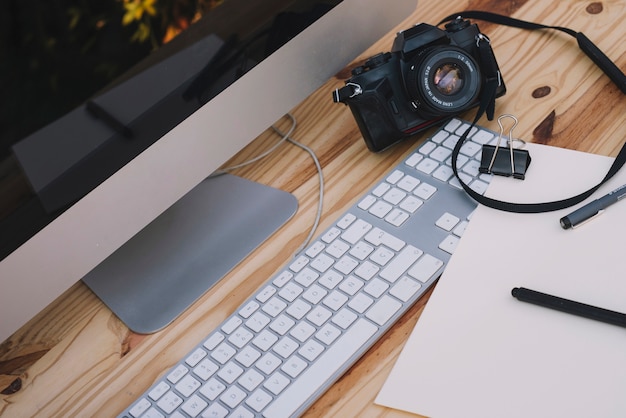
pixel 487 102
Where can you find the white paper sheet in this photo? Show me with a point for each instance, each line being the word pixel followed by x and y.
pixel 478 352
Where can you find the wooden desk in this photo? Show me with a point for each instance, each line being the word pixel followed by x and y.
pixel 77 359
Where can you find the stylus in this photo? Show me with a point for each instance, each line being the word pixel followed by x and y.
pixel 569 306
pixel 592 209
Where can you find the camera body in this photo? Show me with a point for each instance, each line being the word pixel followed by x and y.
pixel 429 76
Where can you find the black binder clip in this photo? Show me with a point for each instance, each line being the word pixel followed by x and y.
pixel 507 161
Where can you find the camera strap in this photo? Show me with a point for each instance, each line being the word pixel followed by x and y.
pixel 487 103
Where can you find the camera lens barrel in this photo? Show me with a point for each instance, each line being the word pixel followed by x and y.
pixel 443 80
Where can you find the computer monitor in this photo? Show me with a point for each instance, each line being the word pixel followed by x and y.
pixel 82 186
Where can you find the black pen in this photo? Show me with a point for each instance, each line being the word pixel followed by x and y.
pixel 569 306
pixel 592 209
pixel 99 112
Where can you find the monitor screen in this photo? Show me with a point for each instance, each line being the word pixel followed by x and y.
pixel 112 113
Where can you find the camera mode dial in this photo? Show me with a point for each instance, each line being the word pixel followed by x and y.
pixel 457 24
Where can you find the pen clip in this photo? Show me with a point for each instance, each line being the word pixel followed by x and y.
pixel 600 212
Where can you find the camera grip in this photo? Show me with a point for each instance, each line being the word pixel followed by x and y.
pixel 372 110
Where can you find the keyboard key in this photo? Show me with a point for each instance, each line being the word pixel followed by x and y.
pixel 381 189
pixel 383 310
pixel 177 374
pixel 361 250
pixel 322 263
pixel 158 391
pixel 443 173
pixel 367 202
pixel 425 268
pixel 449 244
pixel 286 347
pixel 335 300
pixel 441 154
pixel 268 363
pixel 212 389
pixel 259 400
pixel 382 256
pixel 231 324
pixel 338 248
pixel 314 294
pixel 413 160
pixel 230 372
pixel 351 285
pixel 379 237
pixel 290 292
pixel 223 353
pixel 248 309
pixel 331 234
pixel 194 405
pixel 205 369
pixel 344 318
pixel 315 249
pixel 247 356
pixel 282 279
pixel 251 380
pixel 264 340
pixel 257 321
pixel 356 231
pixel 346 265
pixel 169 402
pixel 319 315
pixel 187 386
pixel 427 165
pixel 215 411
pixel 376 288
pixel 401 263
pixel 140 407
pixel 327 334
pixel 233 396
pixel 240 337
pixel 298 309
pixel 311 350
pixel 346 221
pixel 408 183
pixel 405 288
pixel 276 383
pixel 274 306
pixel 425 191
pixel 395 176
pixel 360 302
pixel 397 217
pixel 195 357
pixel 447 221
pixel 282 324
pixel 394 196
pixel 411 204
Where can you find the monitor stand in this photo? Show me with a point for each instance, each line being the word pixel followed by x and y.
pixel 184 252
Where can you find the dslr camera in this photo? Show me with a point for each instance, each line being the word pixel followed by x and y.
pixel 429 76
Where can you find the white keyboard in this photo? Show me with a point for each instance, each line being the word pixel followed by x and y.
pixel 309 323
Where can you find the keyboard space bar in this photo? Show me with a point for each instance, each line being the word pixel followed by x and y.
pixel 321 370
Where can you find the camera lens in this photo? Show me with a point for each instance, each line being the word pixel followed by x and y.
pixel 448 79
pixel 443 80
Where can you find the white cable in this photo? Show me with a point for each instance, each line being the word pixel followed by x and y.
pixel 320 174
pixel 286 136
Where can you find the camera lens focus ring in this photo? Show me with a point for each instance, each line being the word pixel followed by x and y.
pixel 444 80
